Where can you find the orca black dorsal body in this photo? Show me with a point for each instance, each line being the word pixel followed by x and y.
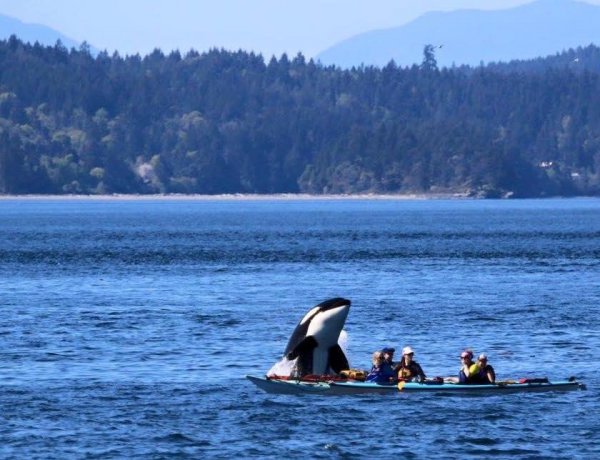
pixel 315 340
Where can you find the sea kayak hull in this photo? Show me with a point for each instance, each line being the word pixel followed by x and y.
pixel 451 388
pixel 289 386
pixel 278 386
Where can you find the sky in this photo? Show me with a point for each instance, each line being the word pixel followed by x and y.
pixel 269 27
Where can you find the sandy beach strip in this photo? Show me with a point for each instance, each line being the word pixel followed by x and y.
pixel 235 197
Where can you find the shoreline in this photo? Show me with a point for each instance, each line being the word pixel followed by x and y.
pixel 238 197
pixel 271 197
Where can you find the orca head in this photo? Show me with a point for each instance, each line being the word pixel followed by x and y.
pixel 327 323
pixel 324 322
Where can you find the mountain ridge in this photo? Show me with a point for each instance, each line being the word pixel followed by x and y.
pixel 31 33
pixel 472 36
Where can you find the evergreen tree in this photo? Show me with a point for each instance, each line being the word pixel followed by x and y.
pixel 227 122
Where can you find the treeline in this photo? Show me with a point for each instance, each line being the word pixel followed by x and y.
pixel 231 122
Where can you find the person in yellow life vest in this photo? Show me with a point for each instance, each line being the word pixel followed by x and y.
pixel 483 372
pixel 468 369
pixel 408 369
pixel 476 373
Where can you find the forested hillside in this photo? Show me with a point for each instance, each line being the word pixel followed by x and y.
pixel 229 122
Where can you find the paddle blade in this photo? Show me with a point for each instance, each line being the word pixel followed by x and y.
pixel 401 385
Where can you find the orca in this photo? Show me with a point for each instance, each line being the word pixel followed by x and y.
pixel 314 342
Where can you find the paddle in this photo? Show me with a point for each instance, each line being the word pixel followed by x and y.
pixel 401 385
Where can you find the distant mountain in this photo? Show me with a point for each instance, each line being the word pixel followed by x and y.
pixel 33 32
pixel 470 37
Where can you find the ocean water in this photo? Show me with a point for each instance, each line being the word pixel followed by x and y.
pixel 127 327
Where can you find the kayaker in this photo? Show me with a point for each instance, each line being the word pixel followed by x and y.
pixel 388 356
pixel 408 369
pixel 380 373
pixel 467 374
pixel 486 373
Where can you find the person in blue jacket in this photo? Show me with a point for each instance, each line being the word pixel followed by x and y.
pixel 380 372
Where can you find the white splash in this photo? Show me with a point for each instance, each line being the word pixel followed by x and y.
pixel 282 367
pixel 285 366
pixel 343 341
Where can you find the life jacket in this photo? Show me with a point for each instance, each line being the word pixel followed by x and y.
pixel 354 374
pixel 482 374
pixel 472 378
pixel 405 373
pixel 409 372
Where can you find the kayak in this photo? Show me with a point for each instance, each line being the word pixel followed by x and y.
pixel 351 387
pixel 453 388
pixel 279 386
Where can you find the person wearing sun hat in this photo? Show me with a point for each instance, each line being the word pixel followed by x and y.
pixel 408 369
pixel 475 373
pixel 485 373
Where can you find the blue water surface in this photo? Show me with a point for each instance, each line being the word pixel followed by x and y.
pixel 127 326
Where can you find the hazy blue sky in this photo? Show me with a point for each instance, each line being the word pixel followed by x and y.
pixel 265 26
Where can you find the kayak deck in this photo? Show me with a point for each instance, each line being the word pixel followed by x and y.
pixel 288 386
pixel 452 388
pixel 281 386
